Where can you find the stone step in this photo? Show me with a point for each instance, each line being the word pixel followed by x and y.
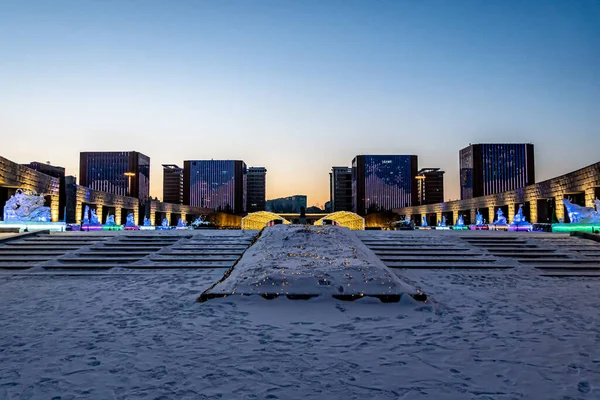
pixel 473 258
pixel 168 258
pixel 575 274
pixel 427 249
pixel 14 267
pixel 171 252
pixel 447 265
pixel 18 258
pixel 79 266
pixel 569 267
pixel 416 245
pixel 127 248
pixel 175 265
pixel 519 255
pixel 27 253
pixel 537 262
pixel 104 253
pixel 37 246
pixel 211 247
pixel 528 250
pixel 121 260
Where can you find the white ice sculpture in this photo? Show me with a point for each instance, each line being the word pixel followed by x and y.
pixel 94 218
pixel 26 206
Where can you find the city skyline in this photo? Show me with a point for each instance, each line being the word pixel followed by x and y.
pixel 300 87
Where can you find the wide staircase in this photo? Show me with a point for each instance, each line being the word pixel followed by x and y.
pixel 112 250
pixel 428 250
pixel 545 254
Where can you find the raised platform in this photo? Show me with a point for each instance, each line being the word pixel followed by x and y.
pixel 566 228
pixel 34 226
pixel 302 262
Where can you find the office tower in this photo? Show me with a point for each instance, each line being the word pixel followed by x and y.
pixel 256 188
pixel 383 182
pixel 494 168
pixel 430 186
pixel 126 173
pixel 172 184
pixel 340 189
pixel 216 184
pixel 287 205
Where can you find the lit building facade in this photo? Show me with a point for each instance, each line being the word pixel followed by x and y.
pixel 495 168
pixel 383 182
pixel 287 205
pixel 256 189
pixel 124 173
pixel 430 186
pixel 340 189
pixel 172 184
pixel 216 184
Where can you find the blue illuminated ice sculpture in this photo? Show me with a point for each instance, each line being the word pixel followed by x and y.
pixel 94 218
pixel 130 221
pixel 181 223
pixel 501 218
pixel 424 223
pixel 460 221
pixel 147 222
pixel 165 223
pixel 579 214
pixel 478 219
pixel 26 206
pixel 443 223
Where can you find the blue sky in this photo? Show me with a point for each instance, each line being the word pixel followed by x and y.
pixel 300 86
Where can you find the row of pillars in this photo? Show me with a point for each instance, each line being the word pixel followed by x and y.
pixel 120 217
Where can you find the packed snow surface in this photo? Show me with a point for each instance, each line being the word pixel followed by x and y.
pixel 299 260
pixel 496 334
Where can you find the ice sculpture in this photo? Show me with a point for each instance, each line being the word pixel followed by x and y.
pixel 478 219
pixel 460 221
pixel 165 223
pixel 181 223
pixel 130 221
pixel 86 215
pixel 424 223
pixel 518 217
pixel 26 206
pixel 501 218
pixel 579 214
pixel 94 218
pixel 110 220
pixel 147 222
pixel 443 223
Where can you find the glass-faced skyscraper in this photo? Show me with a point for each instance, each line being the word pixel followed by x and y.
pixel 383 182
pixel 126 173
pixel 216 184
pixel 256 189
pixel 494 168
pixel 340 189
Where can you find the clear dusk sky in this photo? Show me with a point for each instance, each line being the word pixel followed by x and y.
pixel 299 86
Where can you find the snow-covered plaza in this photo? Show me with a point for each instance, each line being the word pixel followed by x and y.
pixel 115 316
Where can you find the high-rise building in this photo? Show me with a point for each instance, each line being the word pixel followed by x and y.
pixel 172 184
pixel 493 168
pixel 290 205
pixel 340 189
pixel 430 186
pixel 126 173
pixel 216 184
pixel 383 182
pixel 256 188
pixel 55 172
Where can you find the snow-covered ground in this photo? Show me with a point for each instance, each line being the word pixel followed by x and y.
pixel 492 334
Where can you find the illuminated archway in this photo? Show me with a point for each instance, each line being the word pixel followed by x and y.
pixel 343 218
pixel 260 219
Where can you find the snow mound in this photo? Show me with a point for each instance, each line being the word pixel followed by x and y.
pixel 301 262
